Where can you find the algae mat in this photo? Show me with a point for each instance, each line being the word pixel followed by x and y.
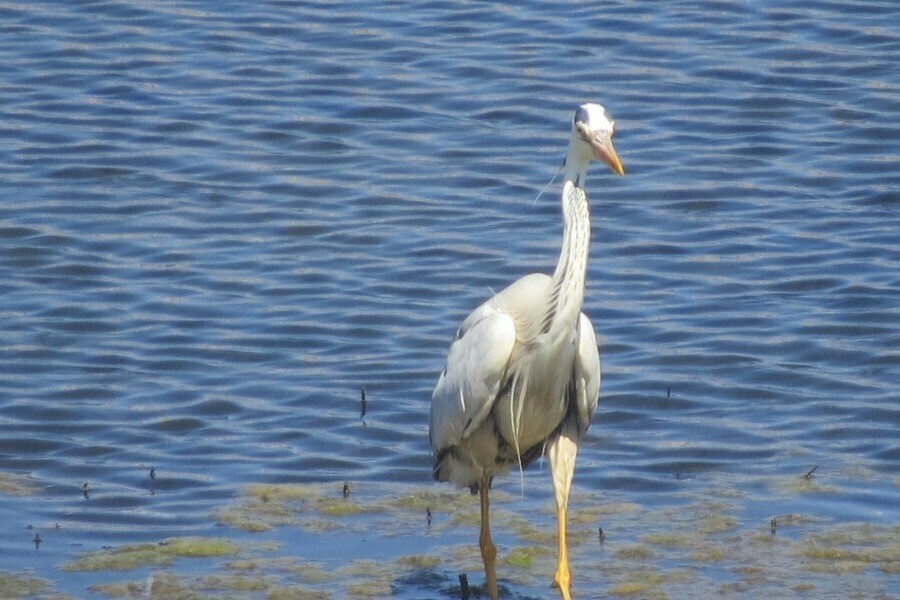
pixel 367 540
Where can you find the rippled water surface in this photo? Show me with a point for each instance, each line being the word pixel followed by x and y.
pixel 220 220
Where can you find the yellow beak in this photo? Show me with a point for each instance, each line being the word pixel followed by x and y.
pixel 603 150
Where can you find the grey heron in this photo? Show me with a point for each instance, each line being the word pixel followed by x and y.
pixel 522 377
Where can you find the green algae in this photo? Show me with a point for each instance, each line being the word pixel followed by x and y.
pixel 798 484
pixel 642 584
pixel 669 538
pixel 265 506
pixel 238 579
pixel 707 534
pixel 319 525
pixel 363 567
pixel 803 588
pixel 716 523
pixel 168 586
pixel 852 547
pixel 152 555
pixel 420 500
pixel 13 484
pixel 528 532
pixel 344 507
pixel 704 536
pixel 285 492
pixel 236 582
pixel 367 578
pixel 634 552
pixel 199 547
pixel 294 593
pixel 617 508
pixel 418 562
pixel 695 541
pixel 156 587
pixel 467 518
pixel 583 516
pixel 310 573
pixel 646 581
pixel 20 586
pixel 636 588
pixel 709 553
pixel 313 507
pixel 369 589
pixel 130 557
pixel 523 557
pixel 307 572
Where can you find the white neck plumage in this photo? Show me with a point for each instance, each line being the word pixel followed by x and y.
pixel 567 284
pixel 577 160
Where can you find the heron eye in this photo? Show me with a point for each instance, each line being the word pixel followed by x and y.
pixel 583 131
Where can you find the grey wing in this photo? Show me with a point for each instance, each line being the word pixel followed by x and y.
pixel 470 382
pixel 587 374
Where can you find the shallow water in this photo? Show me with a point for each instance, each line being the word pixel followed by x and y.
pixel 220 220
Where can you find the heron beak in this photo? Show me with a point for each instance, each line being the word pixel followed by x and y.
pixel 603 150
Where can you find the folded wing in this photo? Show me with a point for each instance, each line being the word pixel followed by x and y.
pixel 587 374
pixel 469 384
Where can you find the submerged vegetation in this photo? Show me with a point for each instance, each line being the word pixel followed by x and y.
pixel 14 484
pixel 144 555
pixel 16 585
pixel 426 536
pixel 853 547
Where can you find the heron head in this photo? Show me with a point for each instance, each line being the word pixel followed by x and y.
pixel 595 128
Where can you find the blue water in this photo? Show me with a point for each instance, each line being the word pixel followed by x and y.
pixel 220 220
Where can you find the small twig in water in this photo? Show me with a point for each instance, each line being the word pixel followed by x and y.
pixel 809 473
pixel 362 393
pixel 463 586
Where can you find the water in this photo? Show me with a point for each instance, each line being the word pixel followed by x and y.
pixel 220 220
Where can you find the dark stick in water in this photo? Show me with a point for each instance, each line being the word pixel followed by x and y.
pixel 463 586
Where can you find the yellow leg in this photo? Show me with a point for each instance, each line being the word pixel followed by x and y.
pixel 488 550
pixel 562 579
pixel 562 452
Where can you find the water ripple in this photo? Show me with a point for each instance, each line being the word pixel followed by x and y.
pixel 220 222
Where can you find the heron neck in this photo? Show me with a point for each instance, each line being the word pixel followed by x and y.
pixel 577 160
pixel 567 283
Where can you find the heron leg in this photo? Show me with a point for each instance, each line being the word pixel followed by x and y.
pixel 562 579
pixel 562 452
pixel 488 550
